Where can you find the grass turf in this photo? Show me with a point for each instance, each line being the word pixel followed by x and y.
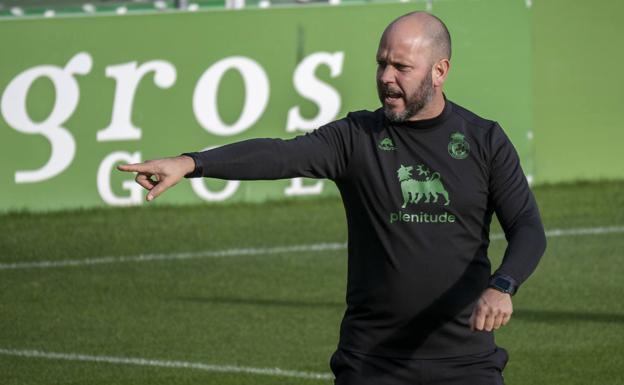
pixel 276 310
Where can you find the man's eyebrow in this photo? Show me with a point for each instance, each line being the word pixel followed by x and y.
pixel 394 62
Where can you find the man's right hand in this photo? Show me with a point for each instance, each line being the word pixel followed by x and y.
pixel 166 172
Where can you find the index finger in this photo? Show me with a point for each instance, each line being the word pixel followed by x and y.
pixel 136 167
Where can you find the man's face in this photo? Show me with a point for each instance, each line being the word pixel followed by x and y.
pixel 404 82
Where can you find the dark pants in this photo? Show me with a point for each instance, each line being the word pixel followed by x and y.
pixel 351 368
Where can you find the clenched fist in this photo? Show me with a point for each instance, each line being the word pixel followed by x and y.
pixel 492 311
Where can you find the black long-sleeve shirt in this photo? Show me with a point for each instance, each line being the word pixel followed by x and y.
pixel 419 198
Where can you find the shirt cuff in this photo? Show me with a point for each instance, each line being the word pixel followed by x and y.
pixel 199 170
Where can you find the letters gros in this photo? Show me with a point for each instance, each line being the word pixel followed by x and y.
pixel 128 77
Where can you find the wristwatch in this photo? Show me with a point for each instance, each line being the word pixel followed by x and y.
pixel 504 283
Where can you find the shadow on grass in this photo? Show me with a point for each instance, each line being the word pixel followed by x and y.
pixel 566 316
pixel 264 302
pixel 529 315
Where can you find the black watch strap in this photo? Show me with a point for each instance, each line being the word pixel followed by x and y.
pixel 504 283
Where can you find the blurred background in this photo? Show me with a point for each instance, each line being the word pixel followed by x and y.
pixel 220 281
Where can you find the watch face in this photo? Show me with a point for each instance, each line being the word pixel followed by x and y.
pixel 502 283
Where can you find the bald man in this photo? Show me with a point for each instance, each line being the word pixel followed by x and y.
pixel 420 179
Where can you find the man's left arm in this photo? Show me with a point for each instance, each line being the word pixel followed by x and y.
pixel 517 212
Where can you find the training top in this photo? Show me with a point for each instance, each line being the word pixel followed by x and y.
pixel 419 198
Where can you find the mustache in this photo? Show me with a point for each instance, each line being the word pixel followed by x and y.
pixel 390 91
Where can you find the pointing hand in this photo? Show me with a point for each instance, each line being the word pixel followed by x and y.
pixel 166 172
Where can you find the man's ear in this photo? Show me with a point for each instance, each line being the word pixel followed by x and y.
pixel 439 72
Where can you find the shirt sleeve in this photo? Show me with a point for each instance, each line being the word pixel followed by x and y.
pixel 322 153
pixel 516 210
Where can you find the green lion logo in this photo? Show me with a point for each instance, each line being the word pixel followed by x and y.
pixel 413 190
pixel 386 145
pixel 458 148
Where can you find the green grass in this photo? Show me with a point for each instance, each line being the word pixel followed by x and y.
pixel 279 310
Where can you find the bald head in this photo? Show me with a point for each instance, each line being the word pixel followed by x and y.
pixel 413 61
pixel 422 28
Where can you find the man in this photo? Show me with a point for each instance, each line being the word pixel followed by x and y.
pixel 420 180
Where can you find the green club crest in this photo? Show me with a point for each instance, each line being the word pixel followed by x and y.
pixel 458 147
pixel 386 145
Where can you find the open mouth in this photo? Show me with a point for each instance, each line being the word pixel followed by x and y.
pixel 392 97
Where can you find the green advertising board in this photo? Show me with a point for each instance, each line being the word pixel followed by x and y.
pixel 577 110
pixel 82 94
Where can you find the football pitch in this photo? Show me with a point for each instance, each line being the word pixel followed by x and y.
pixel 254 294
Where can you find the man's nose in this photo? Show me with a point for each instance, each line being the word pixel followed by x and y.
pixel 386 74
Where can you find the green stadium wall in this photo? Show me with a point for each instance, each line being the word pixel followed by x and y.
pixel 578 90
pixel 67 120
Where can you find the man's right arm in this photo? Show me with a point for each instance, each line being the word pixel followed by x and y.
pixel 323 153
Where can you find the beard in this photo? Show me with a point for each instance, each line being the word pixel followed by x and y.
pixel 414 102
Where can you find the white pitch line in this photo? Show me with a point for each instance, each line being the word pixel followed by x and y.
pixel 166 364
pixel 315 247
pixel 555 233
pixel 177 256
